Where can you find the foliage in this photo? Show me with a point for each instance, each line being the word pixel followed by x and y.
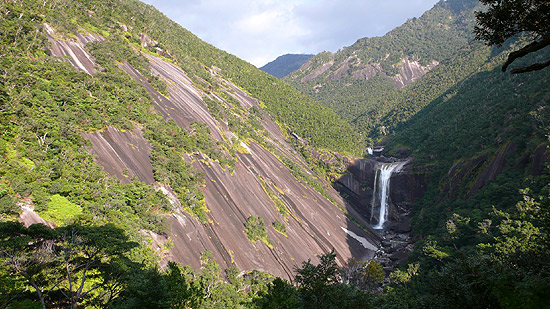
pixel 86 266
pixel 285 64
pixel 363 275
pixel 279 227
pixel 503 20
pixel 66 266
pixel 473 228
pixel 205 288
pixel 360 83
pixel 308 118
pixel 115 49
pixel 60 209
pixel 320 286
pixel 255 230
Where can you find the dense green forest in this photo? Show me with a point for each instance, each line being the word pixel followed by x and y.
pixel 366 102
pixel 494 226
pixel 483 222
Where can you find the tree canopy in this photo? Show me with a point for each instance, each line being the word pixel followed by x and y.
pixel 505 19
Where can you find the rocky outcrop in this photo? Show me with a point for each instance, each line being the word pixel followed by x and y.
pixel 367 72
pixel 314 225
pixel 28 217
pixel 340 72
pixel 73 51
pixel 406 185
pixel 152 45
pixel 410 72
pixel 539 160
pixel 492 168
pixel 318 71
pixel 357 185
pixel 124 154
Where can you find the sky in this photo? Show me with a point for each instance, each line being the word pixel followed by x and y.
pixel 259 31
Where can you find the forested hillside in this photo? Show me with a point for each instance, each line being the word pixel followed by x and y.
pixel 477 135
pixel 366 81
pixel 483 222
pixel 136 144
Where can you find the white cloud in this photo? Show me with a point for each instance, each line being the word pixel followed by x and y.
pixel 260 30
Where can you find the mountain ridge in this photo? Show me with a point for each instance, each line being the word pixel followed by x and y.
pixel 366 78
pixel 285 64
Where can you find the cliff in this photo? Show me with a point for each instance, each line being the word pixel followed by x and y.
pixel 258 184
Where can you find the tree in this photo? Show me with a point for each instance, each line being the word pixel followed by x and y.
pixel 321 286
pixel 367 276
pixel 68 265
pixel 507 18
pixel 280 294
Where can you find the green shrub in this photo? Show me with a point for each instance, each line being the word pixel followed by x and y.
pixel 255 230
pixel 60 209
pixel 279 227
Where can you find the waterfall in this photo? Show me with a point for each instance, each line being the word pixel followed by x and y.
pixel 382 188
pixel 374 195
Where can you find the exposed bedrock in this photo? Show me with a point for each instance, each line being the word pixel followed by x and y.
pixel 314 224
pixel 73 51
pixel 123 154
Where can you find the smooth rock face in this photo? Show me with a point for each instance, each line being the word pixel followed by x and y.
pixel 123 154
pixel 73 51
pixel 28 217
pixel 410 72
pixel 405 186
pixel 320 70
pixel 314 226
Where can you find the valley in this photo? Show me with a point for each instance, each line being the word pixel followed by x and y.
pixel 404 171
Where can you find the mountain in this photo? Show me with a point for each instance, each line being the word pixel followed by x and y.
pixel 113 114
pixel 167 173
pixel 482 140
pixel 365 81
pixel 285 64
pixel 478 139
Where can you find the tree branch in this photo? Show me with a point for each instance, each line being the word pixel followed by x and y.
pixel 533 47
pixel 533 67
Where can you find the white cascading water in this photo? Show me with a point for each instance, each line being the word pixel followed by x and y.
pixel 382 181
pixel 374 195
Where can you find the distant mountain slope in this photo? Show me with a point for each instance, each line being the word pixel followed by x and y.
pixel 364 82
pixel 285 64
